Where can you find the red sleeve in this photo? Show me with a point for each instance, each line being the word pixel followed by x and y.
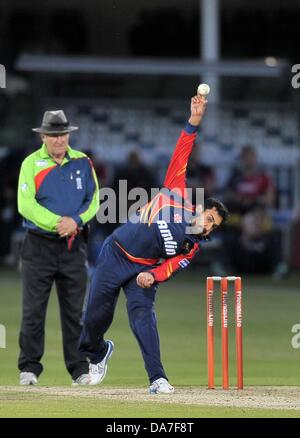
pixel 176 173
pixel 164 271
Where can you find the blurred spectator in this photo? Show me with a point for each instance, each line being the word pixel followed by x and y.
pixel 255 247
pixel 102 169
pixel 251 244
pixel 136 173
pixel 200 175
pixel 97 233
pixel 249 184
pixel 295 239
pixel 9 220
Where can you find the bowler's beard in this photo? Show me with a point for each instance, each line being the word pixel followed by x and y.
pixel 198 230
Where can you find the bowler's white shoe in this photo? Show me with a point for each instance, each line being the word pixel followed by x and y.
pixel 83 379
pixel 98 370
pixel 27 378
pixel 161 386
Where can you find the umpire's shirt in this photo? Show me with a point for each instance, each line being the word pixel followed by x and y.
pixel 48 191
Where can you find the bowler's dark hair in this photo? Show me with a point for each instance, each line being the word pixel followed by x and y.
pixel 219 206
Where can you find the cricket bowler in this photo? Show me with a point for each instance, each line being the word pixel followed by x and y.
pixel 140 254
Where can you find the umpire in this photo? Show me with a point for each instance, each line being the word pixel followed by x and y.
pixel 57 197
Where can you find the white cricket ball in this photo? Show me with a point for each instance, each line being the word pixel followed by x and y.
pixel 203 89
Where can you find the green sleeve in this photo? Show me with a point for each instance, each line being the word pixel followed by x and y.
pixel 28 207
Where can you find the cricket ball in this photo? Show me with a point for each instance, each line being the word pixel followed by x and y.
pixel 203 89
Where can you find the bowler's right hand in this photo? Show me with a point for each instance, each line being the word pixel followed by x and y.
pixel 198 105
pixel 145 279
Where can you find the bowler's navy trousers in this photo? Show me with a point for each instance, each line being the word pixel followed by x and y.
pixel 114 270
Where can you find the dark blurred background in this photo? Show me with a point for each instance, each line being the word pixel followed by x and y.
pixel 124 71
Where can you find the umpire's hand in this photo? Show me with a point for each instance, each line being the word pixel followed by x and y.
pixel 145 279
pixel 66 226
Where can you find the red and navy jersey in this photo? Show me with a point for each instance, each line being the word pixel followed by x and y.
pixel 159 229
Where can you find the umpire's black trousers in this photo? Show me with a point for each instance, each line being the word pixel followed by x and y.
pixel 46 260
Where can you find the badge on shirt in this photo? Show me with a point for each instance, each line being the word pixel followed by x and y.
pixel 79 183
pixel 24 187
pixel 177 218
pixel 41 163
pixel 184 263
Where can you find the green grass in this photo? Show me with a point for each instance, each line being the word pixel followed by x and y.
pixel 84 408
pixel 270 311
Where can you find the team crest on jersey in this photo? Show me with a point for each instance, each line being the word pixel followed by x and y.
pixel 79 183
pixel 184 263
pixel 177 218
